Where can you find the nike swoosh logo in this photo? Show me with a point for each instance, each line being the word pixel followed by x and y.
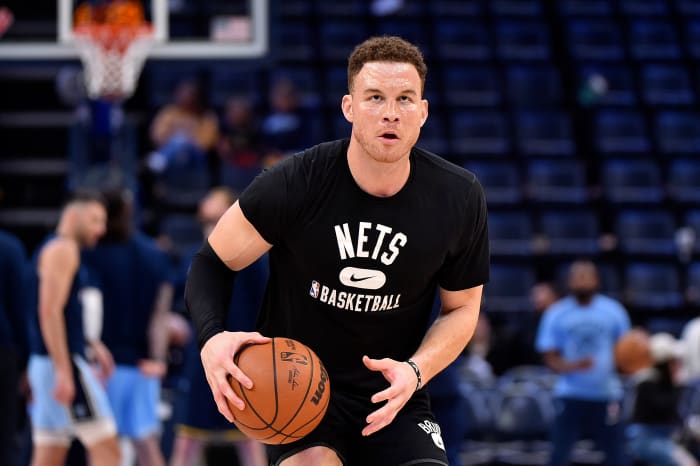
pixel 366 279
pixel 353 278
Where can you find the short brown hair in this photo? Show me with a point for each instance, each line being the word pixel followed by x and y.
pixel 386 49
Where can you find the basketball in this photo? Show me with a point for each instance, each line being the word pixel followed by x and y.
pixel 633 352
pixel 290 393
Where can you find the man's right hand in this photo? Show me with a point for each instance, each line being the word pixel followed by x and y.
pixel 64 387
pixel 217 358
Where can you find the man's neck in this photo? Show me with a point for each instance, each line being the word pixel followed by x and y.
pixel 377 178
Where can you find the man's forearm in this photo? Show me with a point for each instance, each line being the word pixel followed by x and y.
pixel 53 330
pixel 445 340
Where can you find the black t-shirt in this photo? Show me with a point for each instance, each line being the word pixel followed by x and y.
pixel 352 274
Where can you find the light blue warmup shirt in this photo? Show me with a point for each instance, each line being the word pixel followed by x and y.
pixel 579 331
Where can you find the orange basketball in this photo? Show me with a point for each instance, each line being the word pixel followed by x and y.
pixel 290 393
pixel 125 13
pixel 632 352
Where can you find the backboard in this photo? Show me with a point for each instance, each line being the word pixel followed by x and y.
pixel 184 29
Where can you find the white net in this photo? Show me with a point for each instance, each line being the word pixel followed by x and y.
pixel 112 58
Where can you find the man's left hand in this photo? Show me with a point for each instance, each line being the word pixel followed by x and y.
pixel 402 384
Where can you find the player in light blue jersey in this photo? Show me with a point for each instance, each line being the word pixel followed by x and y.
pixel 577 336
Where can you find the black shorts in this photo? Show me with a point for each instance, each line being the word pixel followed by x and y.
pixel 413 438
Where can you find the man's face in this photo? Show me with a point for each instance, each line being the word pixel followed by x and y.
pixel 386 109
pixel 93 221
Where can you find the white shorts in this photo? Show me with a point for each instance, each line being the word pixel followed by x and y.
pixel 89 418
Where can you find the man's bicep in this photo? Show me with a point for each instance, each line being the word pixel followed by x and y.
pixel 470 298
pixel 236 241
pixel 57 268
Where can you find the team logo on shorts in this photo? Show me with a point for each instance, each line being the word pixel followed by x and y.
pixel 315 289
pixel 433 429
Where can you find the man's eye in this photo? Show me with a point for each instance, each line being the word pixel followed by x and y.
pixel 376 98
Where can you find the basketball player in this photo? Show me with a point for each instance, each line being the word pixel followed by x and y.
pixel 576 336
pixel 68 399
pixel 361 233
pixel 198 422
pixel 132 274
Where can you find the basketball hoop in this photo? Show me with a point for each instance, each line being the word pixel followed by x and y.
pixel 112 55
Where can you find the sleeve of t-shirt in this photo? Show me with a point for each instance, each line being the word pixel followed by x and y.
pixel 547 333
pixel 468 264
pixel 272 201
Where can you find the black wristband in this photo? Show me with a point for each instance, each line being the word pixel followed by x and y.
pixel 208 293
pixel 416 369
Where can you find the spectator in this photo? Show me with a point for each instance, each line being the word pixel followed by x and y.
pixel 199 423
pixel 656 418
pixel 240 146
pixel 285 128
pixel 13 346
pixel 577 336
pixel 184 131
pixel 133 276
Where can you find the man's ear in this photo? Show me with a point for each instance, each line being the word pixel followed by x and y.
pixel 346 105
pixel 424 116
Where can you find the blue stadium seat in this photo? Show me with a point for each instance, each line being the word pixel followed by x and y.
pixel 344 8
pixel 610 280
pixel 227 81
pixel 653 285
pixel 456 8
pixel 544 133
pixel 510 233
pixel 692 220
pixel 688 7
pixel 684 181
pixel 501 181
pixel 585 7
pixel 621 88
pixel 666 85
pixel 646 232
pixel 521 40
pixel 295 8
pixel 557 181
pixel 632 181
pixel 294 41
pixel 462 40
pixel 508 289
pixel 413 30
pixel 570 232
pixel 524 411
pixel 471 85
pixel 692 36
pixel 652 39
pixel 644 7
pixel 531 8
pixel 595 39
pixel 335 80
pixel 693 287
pixel 433 135
pixel 479 132
pixel 479 412
pixel 338 37
pixel 533 85
pixel 678 132
pixel 621 131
